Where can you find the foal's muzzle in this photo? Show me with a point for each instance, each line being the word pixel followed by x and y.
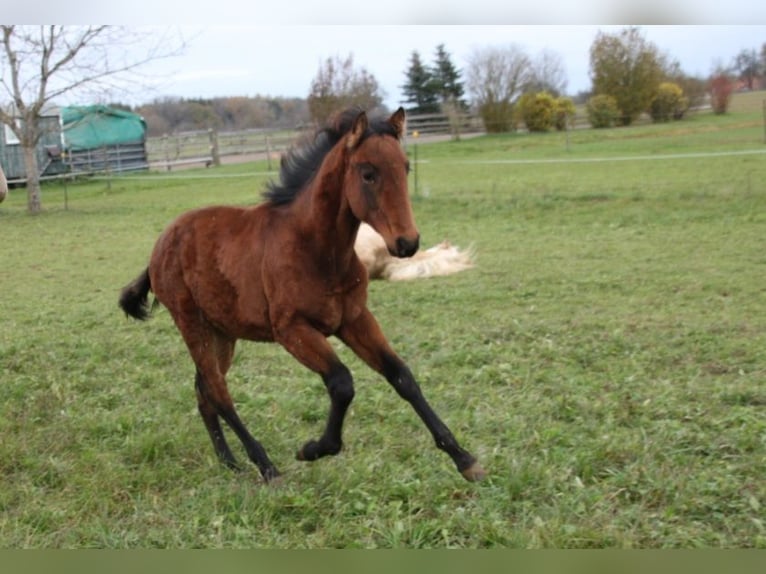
pixel 407 247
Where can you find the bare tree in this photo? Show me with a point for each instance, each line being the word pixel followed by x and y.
pixel 40 64
pixel 496 77
pixel 548 73
pixel 747 65
pixel 339 84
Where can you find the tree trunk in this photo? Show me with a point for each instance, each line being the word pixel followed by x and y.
pixel 34 203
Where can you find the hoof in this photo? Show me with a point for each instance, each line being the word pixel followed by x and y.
pixel 474 473
pixel 314 450
pixel 308 452
pixel 275 482
pixel 272 477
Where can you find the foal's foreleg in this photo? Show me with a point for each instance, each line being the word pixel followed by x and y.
pixel 366 339
pixel 340 387
pixel 313 350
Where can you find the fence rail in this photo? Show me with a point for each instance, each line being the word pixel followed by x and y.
pixel 443 124
pixel 210 147
pixel 115 158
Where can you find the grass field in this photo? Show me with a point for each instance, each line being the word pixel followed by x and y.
pixel 605 360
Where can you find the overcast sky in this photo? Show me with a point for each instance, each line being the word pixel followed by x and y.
pixel 254 47
pixel 281 60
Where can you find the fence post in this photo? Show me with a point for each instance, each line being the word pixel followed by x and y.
pixel 415 135
pixel 215 153
pixel 107 169
pixel 166 151
pixel 268 152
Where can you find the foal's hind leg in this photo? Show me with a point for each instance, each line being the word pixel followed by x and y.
pixel 212 354
pixel 213 424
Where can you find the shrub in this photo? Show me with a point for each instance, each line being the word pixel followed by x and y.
pixel 498 117
pixel 565 113
pixel 721 88
pixel 669 103
pixel 537 111
pixel 602 111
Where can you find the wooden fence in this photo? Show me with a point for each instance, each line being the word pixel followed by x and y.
pixel 210 147
pixel 443 124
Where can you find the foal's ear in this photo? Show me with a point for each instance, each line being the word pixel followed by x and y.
pixel 397 120
pixel 357 131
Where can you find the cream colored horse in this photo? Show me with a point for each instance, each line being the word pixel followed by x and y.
pixel 3 185
pixel 441 259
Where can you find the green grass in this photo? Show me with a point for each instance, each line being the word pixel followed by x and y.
pixel 605 360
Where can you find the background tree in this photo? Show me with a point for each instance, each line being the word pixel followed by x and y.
pixel 420 89
pixel 747 64
pixel 721 87
pixel 627 67
pixel 234 113
pixel 41 64
pixel 547 73
pixel 695 89
pixel 447 80
pixel 496 78
pixel 763 59
pixel 338 84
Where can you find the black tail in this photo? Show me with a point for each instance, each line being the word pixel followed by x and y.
pixel 134 297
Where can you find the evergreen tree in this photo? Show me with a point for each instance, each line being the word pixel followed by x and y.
pixel 447 79
pixel 420 90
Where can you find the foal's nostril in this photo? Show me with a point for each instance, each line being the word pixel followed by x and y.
pixel 407 247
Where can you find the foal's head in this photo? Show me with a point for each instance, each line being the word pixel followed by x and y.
pixel 375 180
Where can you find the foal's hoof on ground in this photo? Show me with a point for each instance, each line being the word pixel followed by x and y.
pixel 309 451
pixel 315 449
pixel 272 477
pixel 474 473
pixel 275 481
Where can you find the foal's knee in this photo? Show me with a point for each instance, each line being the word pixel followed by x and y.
pixel 340 385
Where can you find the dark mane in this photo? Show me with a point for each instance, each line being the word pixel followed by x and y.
pixel 302 160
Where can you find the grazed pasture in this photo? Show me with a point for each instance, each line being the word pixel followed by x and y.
pixel 605 360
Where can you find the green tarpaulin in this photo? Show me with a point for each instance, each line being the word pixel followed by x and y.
pixel 88 127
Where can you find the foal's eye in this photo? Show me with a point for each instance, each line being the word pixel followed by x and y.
pixel 368 176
